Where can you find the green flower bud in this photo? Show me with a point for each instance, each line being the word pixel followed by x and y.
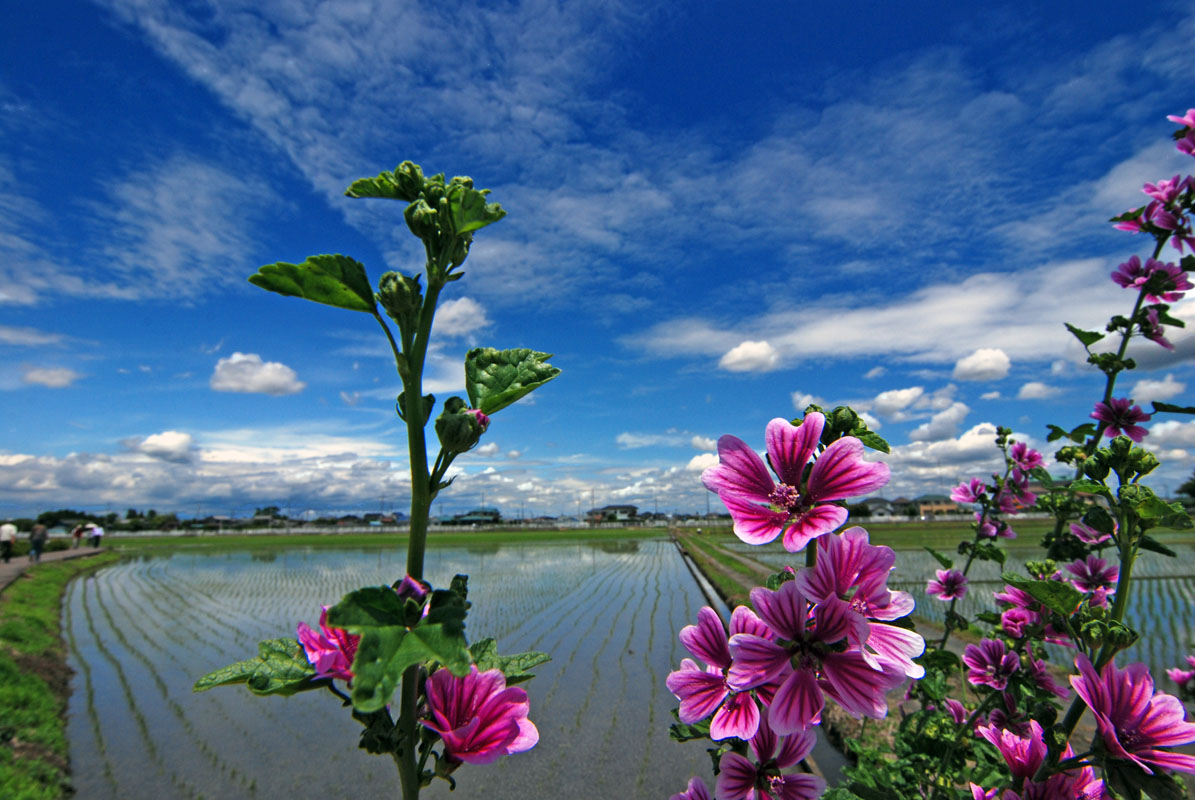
pixel 457 429
pixel 408 178
pixel 421 219
pixel 401 296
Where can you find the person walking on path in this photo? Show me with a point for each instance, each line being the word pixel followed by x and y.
pixel 37 543
pixel 77 536
pixel 8 538
pixel 97 533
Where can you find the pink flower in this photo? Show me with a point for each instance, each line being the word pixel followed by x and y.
pixel 1120 417
pixel 1181 676
pixel 705 691
pixel 950 584
pixel 1024 755
pixel 813 662
pixel 482 419
pixel 1187 122
pixel 742 779
pixel 697 791
pixel 762 509
pixel 1024 456
pixel 412 588
pixel 1165 191
pixel 1088 535
pixel 855 571
pixel 1016 619
pixel 1093 573
pixel 1152 329
pixel 1040 673
pixel 990 663
pixel 992 529
pixel 1133 720
pixel 331 650
pixel 479 718
pixel 969 492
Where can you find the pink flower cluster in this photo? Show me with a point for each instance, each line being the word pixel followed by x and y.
pixel 1120 417
pixel 826 633
pixel 1024 755
pixel 802 509
pixel 329 650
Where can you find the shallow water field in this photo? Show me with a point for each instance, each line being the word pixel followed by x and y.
pixel 142 631
pixel 1161 609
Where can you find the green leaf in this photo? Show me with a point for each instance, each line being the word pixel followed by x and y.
pixel 1088 338
pixel 469 209
pixel 1057 596
pixel 874 441
pixel 941 559
pixel 1148 542
pixel 333 280
pixel 369 607
pixel 1089 486
pixel 496 378
pixel 281 667
pixel 1056 433
pixel 1172 409
pixel 515 668
pixel 385 653
pixel 405 183
pixel 1144 502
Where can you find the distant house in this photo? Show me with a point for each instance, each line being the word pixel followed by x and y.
pixel 612 513
pixel 879 508
pixel 478 516
pixel 931 505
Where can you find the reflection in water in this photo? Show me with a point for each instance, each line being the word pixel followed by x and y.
pixel 142 631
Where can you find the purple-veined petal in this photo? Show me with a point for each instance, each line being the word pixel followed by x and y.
pixel 740 472
pixel 797 705
pixel 736 778
pixel 707 639
pixel 756 660
pixel 738 717
pixel 856 686
pixel 898 646
pixel 791 446
pixel 744 620
pixel 841 472
pixel 784 610
pixel 699 691
pixel 795 747
pixel 815 522
pixel 753 523
pixel 799 786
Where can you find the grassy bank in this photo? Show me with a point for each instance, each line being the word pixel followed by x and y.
pixel 35 681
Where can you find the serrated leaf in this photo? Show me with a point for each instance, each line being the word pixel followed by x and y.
pixel 368 607
pixel 1056 433
pixel 496 378
pixel 874 441
pixel 514 667
pixel 1089 486
pixel 387 185
pixel 1100 520
pixel 1088 338
pixel 1170 408
pixel 470 211
pixel 1057 596
pixel 385 653
pixel 1081 432
pixel 333 280
pixel 941 559
pixel 281 668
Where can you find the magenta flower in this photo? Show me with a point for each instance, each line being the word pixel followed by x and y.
pixel 1133 720
pixel 478 716
pixel 969 492
pixel 1016 619
pixel 705 691
pixel 1088 534
pixel 763 509
pixel 739 778
pixel 1153 330
pixel 697 791
pixel 1181 676
pixel 993 528
pixel 815 660
pixel 855 571
pixel 412 588
pixel 990 663
pixel 1042 678
pixel 482 419
pixel 1120 417
pixel 331 650
pixel 1164 282
pixel 1093 573
pixel 1024 756
pixel 950 584
pixel 1187 122
pixel 1024 456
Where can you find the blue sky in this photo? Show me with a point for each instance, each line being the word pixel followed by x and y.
pixel 713 217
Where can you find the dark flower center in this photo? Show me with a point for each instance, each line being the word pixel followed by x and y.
pixel 785 497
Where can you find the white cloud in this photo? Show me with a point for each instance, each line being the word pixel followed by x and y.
pixel 168 446
pixel 514 455
pixel 1171 433
pixel 802 400
pixel 874 373
pixel 750 356
pixel 27 337
pixel 1036 390
pixel 993 395
pixel 53 377
pixel 704 443
pixel 350 398
pixel 943 425
pixel 487 450
pixel 246 372
pixel 1146 390
pixel 701 462
pixel 894 400
pixel 873 423
pixel 631 441
pixel 985 364
pixel 460 317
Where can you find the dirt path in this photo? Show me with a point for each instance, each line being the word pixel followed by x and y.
pixel 12 570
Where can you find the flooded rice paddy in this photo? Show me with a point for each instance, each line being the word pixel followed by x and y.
pixel 142 631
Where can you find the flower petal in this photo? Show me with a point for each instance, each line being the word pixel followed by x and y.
pixel 840 472
pixel 790 446
pixel 740 471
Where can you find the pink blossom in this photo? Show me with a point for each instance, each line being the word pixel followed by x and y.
pixel 483 420
pixel 1152 329
pixel 1016 619
pixel 855 571
pixel 1024 456
pixel 950 584
pixel 969 492
pixel 1024 756
pixel 697 791
pixel 1187 144
pixel 1120 417
pixel 957 711
pixel 763 509
pixel 1165 191
pixel 1133 720
pixel 412 588
pixel 990 663
pixel 1042 678
pixel 705 691
pixel 740 778
pixel 993 528
pixel 1181 676
pixel 330 650
pixel 1187 121
pixel 815 659
pixel 1087 534
pixel 1093 573
pixel 479 718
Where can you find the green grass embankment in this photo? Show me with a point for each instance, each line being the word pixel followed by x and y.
pixel 35 681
